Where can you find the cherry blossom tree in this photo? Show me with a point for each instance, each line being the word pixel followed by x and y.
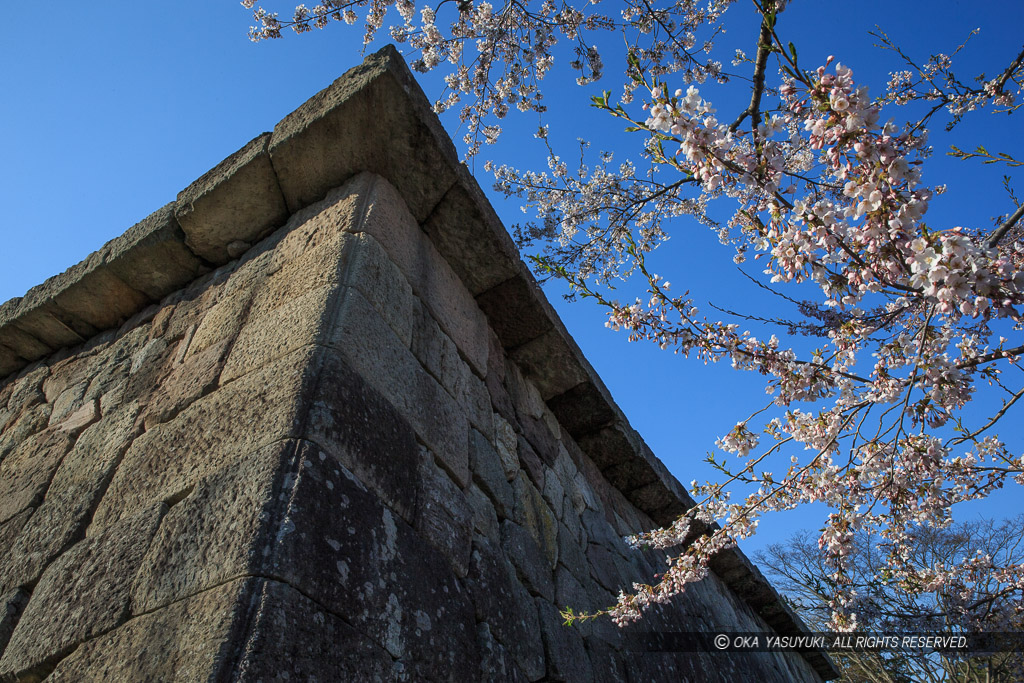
pixel 901 324
pixel 982 605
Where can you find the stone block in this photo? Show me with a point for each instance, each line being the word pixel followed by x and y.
pixel 375 351
pixel 237 200
pixel 338 542
pixel 551 363
pixel 47 323
pixel 10 530
pixel 278 332
pixel 582 409
pixel 323 142
pixel 444 516
pixel 188 382
pixel 151 256
pixel 532 512
pixel 496 664
pixel 485 520
pixel 26 471
pixel 32 421
pixel 513 310
pixel 468 233
pixel 388 220
pixel 67 402
pixel 570 554
pixel 259 408
pixel 185 641
pixel 495 379
pixel 28 390
pixel 507 445
pixel 530 461
pixel 531 566
pixel 220 530
pixel 12 604
pixel 90 293
pixel 363 431
pixel 506 607
pixel 553 492
pixel 293 638
pixel 88 586
pixel 61 518
pixel 441 358
pixel 489 474
pixel 567 658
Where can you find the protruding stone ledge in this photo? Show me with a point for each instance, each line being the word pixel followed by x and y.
pixel 238 200
pixel 328 139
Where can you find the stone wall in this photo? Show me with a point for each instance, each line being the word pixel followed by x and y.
pixel 359 447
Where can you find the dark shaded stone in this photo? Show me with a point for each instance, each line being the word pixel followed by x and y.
pixel 444 515
pixel 582 409
pixel 469 234
pixel 489 473
pixel 365 433
pixel 12 604
pixel 530 564
pixel 293 638
pixel 567 658
pixel 506 607
pixel 338 542
pixel 513 310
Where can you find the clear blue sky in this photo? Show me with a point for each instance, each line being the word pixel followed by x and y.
pixel 110 109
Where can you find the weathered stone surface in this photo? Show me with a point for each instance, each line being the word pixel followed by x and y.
pixel 32 421
pixel 220 530
pixel 88 586
pixel 485 520
pixel 166 461
pixel 151 256
pixel 495 661
pixel 388 220
pixel 374 350
pixel 532 512
pixel 531 566
pixel 550 362
pixel 507 445
pixel 26 472
pixel 440 357
pixel 513 312
pixel 71 497
pixel 323 142
pixel 352 422
pixel 506 607
pixel 489 473
pixel 444 516
pixel 191 640
pixel 567 659
pixel 468 233
pixel 28 391
pixel 188 382
pixel 237 200
pixel 12 603
pixel 268 337
pixel 296 639
pixel 339 543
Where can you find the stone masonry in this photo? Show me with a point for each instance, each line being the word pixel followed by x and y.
pixel 314 420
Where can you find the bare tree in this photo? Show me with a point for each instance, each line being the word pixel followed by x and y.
pixel 981 604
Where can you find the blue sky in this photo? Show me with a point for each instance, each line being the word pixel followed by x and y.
pixel 111 109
